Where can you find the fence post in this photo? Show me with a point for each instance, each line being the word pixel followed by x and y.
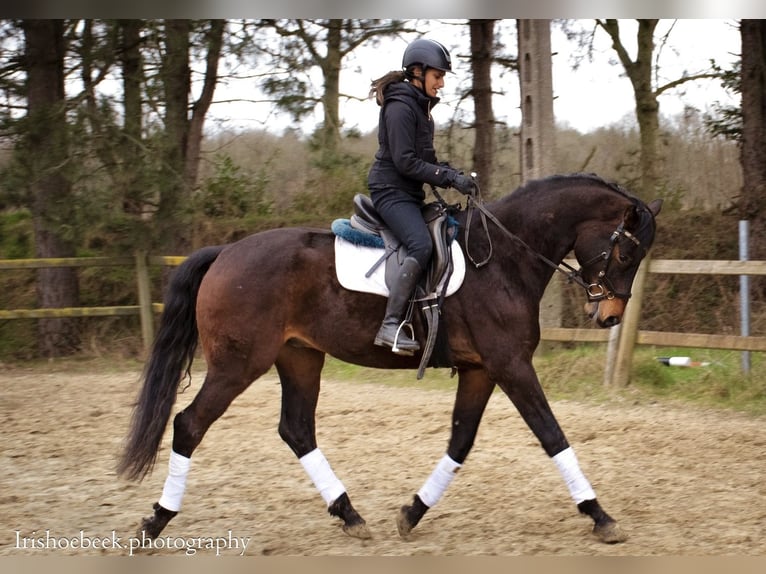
pixel 629 328
pixel 145 299
pixel 611 354
pixel 744 292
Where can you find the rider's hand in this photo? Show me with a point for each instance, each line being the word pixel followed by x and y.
pixel 464 184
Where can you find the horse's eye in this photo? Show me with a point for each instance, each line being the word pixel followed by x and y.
pixel 625 258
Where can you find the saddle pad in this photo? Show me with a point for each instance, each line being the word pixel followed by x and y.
pixel 353 261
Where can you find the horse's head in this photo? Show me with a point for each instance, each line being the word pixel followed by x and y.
pixel 609 261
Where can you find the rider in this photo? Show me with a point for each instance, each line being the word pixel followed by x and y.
pixel 404 162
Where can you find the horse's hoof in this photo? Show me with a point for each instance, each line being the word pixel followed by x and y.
pixel 403 524
pixel 151 526
pixel 610 532
pixel 358 530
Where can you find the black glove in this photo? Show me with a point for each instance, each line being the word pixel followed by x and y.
pixel 464 184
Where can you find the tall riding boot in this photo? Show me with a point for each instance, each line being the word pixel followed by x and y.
pixel 390 333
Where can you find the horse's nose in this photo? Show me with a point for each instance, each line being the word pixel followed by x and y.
pixel 609 312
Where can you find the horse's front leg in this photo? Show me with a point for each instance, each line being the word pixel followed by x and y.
pixel 524 390
pixel 299 372
pixel 473 392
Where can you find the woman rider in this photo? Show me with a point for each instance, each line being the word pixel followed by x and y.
pixel 404 162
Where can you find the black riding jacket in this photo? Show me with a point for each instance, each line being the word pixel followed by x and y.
pixel 406 158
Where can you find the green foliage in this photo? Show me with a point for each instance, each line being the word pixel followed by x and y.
pixel 18 339
pixel 333 181
pixel 289 93
pixel 726 121
pixel 719 382
pixel 230 192
pixel 16 234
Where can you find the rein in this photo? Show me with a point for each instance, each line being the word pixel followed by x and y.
pixel 603 289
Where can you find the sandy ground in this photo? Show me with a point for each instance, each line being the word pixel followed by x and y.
pixel 681 481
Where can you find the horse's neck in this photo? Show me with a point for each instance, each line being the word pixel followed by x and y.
pixel 548 221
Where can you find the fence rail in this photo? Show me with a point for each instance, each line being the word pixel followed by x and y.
pixel 146 308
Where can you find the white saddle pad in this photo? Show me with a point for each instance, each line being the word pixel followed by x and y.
pixel 352 262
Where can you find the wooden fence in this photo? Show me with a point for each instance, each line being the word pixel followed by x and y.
pixel 617 370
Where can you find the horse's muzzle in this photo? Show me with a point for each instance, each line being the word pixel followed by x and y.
pixel 607 312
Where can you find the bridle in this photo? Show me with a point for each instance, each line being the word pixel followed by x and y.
pixel 602 289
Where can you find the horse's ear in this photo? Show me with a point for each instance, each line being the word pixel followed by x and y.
pixel 631 218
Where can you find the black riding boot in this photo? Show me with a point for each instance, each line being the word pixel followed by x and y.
pixel 398 299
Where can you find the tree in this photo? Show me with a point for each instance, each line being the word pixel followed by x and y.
pixel 482 52
pixel 537 126
pixel 640 72
pixel 130 189
pixel 183 132
pixel 752 202
pixel 100 47
pixel 43 151
pixel 308 44
pixel 538 134
pixel 152 158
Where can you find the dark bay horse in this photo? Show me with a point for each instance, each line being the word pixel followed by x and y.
pixel 273 299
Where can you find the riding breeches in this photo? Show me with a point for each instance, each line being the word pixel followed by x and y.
pixel 402 214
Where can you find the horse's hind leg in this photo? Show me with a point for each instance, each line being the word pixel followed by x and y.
pixel 299 371
pixel 189 427
pixel 528 397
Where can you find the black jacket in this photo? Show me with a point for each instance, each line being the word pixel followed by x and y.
pixel 406 158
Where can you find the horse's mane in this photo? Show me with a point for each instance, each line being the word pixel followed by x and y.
pixel 646 224
pixel 566 179
pixel 529 192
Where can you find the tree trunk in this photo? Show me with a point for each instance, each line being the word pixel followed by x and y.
pixel 131 191
pixel 46 154
pixel 331 93
pixel 538 134
pixel 535 78
pixel 214 37
pixel 176 76
pixel 647 105
pixel 482 45
pixel 752 204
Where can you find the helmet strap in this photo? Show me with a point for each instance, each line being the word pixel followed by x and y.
pixel 409 74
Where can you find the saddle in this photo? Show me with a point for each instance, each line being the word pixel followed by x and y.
pixel 442 229
pixel 429 294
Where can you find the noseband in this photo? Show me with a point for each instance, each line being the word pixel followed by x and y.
pixel 602 289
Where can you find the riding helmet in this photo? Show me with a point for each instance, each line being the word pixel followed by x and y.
pixel 428 53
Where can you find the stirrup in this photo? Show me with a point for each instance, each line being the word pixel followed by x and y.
pixel 398 350
pixel 393 343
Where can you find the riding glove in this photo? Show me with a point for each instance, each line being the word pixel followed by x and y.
pixel 464 184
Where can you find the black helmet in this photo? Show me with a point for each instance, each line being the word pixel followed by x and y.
pixel 428 53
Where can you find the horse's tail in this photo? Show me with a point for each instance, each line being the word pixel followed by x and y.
pixel 169 363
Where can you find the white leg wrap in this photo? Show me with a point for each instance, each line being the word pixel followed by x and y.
pixel 175 483
pixel 317 467
pixel 440 479
pixel 578 485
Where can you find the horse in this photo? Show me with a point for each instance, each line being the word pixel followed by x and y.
pixel 273 299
